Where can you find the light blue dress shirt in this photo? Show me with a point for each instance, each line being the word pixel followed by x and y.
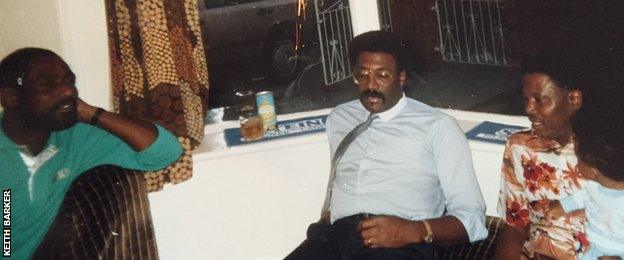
pixel 413 162
pixel 604 209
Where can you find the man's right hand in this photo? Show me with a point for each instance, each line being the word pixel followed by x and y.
pixel 389 231
pixel 85 111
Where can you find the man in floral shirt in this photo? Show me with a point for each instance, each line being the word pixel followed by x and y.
pixel 540 165
pixel 536 170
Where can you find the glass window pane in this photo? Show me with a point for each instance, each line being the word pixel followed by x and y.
pixel 465 54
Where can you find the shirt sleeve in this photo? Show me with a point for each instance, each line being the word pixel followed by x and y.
pixel 457 178
pixel 574 201
pixel 99 147
pixel 511 197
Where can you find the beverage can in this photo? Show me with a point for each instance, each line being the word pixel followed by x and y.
pixel 266 109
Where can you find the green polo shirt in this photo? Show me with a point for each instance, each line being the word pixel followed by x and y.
pixel 36 198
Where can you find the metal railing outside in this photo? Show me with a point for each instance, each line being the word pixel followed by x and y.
pixel 471 31
pixel 335 33
pixel 385 16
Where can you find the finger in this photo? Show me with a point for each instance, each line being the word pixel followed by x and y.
pixel 369 222
pixel 369 232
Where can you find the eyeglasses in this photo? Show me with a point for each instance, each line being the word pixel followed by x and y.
pixel 361 76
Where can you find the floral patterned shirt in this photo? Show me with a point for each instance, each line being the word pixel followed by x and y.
pixel 535 171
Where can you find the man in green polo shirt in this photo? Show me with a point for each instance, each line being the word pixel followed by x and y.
pixel 50 136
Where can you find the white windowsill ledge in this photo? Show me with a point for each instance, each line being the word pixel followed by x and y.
pixel 213 146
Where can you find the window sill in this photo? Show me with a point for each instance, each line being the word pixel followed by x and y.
pixel 213 145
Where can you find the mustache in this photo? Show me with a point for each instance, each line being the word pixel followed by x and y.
pixel 370 93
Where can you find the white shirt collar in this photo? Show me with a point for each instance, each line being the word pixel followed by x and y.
pixel 393 111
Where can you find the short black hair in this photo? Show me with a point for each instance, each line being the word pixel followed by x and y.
pixel 598 124
pixel 567 68
pixel 380 41
pixel 17 64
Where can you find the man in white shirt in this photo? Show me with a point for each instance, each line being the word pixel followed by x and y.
pixel 406 182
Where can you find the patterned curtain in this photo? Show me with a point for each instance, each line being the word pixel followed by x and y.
pixel 159 72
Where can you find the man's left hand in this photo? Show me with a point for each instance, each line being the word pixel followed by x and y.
pixel 388 231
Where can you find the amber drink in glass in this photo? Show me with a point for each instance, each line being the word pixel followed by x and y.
pixel 251 126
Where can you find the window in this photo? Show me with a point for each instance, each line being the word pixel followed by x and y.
pixel 466 53
pixel 263 46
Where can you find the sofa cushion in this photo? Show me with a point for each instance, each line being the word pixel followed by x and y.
pixel 105 215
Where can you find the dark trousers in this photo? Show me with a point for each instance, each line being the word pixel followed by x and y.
pixel 341 240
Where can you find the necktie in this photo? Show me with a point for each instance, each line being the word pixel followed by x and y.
pixel 342 147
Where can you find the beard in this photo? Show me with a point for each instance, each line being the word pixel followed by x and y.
pixel 60 116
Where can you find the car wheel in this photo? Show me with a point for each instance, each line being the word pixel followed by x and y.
pixel 283 59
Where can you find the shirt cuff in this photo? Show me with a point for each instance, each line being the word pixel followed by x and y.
pixel 473 223
pixel 162 152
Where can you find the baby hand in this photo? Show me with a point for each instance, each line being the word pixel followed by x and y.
pixel 553 210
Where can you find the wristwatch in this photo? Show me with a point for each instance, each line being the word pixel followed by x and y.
pixel 429 235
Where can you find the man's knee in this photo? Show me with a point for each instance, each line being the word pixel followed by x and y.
pixel 317 245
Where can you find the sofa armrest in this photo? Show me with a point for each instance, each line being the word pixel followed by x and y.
pixel 483 249
pixel 105 214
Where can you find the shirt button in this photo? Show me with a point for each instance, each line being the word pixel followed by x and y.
pixel 347 188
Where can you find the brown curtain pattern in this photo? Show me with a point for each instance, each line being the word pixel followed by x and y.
pixel 159 72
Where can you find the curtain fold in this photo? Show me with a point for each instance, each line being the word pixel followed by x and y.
pixel 159 72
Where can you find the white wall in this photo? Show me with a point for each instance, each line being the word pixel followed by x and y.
pixel 29 23
pixel 249 204
pixel 84 42
pixel 74 29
